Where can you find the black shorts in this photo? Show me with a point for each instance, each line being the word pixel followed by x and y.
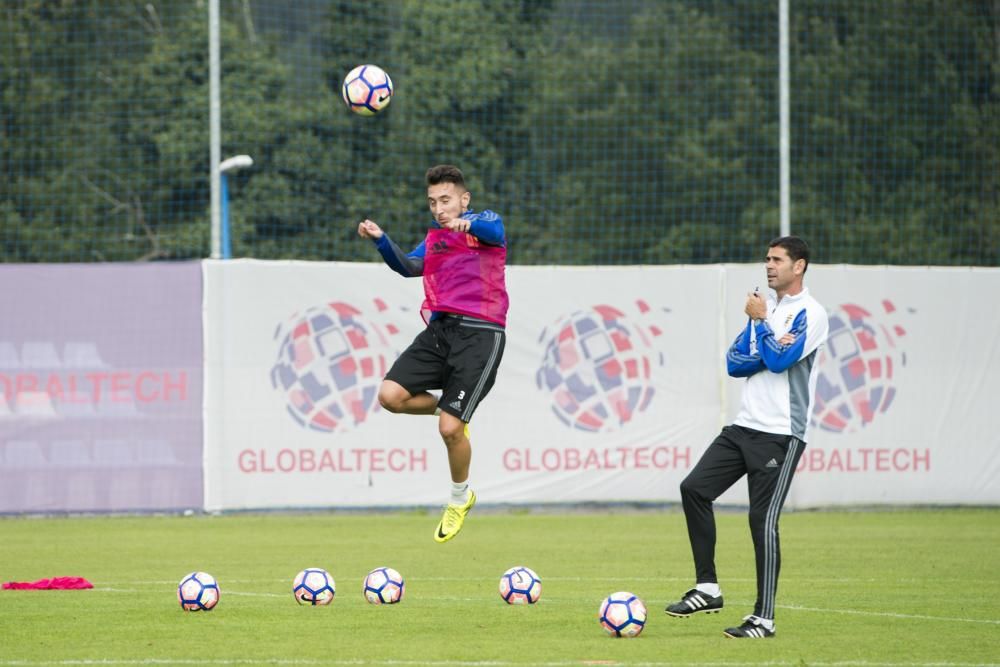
pixel 456 354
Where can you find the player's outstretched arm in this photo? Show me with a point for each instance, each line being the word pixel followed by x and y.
pixel 407 265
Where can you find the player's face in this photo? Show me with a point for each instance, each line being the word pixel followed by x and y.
pixel 447 201
pixel 782 272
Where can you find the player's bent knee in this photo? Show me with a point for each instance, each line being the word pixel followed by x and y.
pixel 392 397
pixel 388 403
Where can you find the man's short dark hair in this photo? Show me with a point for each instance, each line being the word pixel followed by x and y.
pixel 795 247
pixel 445 173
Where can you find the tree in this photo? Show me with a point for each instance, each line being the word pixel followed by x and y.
pixel 657 150
pixel 640 131
pixel 895 136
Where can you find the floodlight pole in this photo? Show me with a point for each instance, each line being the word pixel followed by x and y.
pixel 214 127
pixel 784 115
pixel 231 164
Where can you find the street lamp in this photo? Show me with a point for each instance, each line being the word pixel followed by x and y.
pixel 230 164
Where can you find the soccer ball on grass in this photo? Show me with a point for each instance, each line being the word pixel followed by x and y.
pixel 384 585
pixel 623 615
pixel 520 585
pixel 313 586
pixel 198 591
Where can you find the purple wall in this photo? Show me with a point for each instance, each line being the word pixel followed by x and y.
pixel 100 387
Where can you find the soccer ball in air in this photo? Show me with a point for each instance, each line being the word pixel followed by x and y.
pixel 198 591
pixel 367 90
pixel 520 585
pixel 623 615
pixel 313 586
pixel 384 585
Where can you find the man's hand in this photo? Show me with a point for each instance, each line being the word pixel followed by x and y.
pixel 458 225
pixel 787 339
pixel 369 230
pixel 756 307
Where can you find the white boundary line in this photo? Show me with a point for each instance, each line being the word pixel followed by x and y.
pixel 471 663
pixel 888 614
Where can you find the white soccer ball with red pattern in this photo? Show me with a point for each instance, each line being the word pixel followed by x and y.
pixel 384 585
pixel 198 591
pixel 520 585
pixel 623 615
pixel 314 586
pixel 367 90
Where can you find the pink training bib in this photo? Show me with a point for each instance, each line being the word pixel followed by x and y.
pixel 464 276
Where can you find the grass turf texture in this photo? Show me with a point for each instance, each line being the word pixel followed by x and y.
pixel 892 588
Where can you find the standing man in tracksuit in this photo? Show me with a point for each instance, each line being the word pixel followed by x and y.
pixel 776 353
pixel 462 261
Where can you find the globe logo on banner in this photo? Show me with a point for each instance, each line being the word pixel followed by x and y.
pixel 331 360
pixel 858 368
pixel 597 367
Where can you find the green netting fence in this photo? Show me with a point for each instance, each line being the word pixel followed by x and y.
pixel 627 132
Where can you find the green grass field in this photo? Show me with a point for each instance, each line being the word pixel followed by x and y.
pixel 856 588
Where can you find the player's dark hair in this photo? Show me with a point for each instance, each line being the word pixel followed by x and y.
pixel 445 173
pixel 795 247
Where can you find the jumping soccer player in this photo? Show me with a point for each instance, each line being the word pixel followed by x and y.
pixel 776 353
pixel 462 260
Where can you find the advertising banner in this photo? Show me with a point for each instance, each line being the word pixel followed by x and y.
pixel 612 384
pixel 100 387
pixel 602 393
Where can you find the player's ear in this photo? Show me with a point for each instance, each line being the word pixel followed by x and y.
pixel 799 267
pixel 465 199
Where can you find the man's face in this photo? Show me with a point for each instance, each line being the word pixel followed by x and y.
pixel 447 201
pixel 782 272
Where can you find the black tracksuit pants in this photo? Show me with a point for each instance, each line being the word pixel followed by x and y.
pixel 769 462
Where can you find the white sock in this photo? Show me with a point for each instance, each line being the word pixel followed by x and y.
pixel 766 622
pixel 459 492
pixel 709 589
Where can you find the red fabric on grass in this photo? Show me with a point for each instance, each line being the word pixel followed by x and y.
pixel 55 583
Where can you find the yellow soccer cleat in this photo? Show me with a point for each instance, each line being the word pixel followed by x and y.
pixel 453 518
